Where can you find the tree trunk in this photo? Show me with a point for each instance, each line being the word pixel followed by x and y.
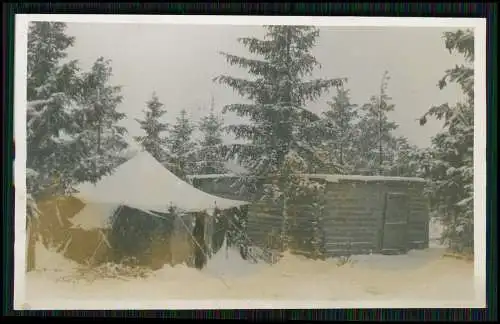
pixel 30 247
pixel 341 155
pixel 200 258
pixel 380 151
pixel 285 226
pixel 243 234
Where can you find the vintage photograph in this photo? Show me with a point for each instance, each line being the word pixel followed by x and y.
pixel 267 161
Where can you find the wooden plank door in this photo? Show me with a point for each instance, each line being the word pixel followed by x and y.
pixel 395 224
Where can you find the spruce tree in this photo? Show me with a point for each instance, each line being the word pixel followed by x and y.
pixel 405 160
pixel 449 161
pixel 153 141
pixel 51 89
pixel 51 102
pixel 47 45
pixel 376 137
pixel 210 160
pixel 102 138
pixel 61 118
pixel 181 146
pixel 282 133
pixel 341 128
pixel 279 92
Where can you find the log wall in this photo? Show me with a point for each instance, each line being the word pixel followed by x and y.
pixel 353 218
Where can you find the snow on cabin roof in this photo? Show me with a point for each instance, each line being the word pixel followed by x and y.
pixel 143 183
pixel 338 177
pixel 213 176
pixel 234 167
pixel 326 177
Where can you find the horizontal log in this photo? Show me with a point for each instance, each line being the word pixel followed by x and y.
pixel 417 227
pixel 352 215
pixel 349 240
pixel 343 215
pixel 340 219
pixel 360 203
pixel 419 211
pixel 331 252
pixel 361 227
pixel 264 219
pixel 355 197
pixel 352 226
pixel 350 231
pixel 262 225
pixel 418 204
pixel 366 217
pixel 264 211
pixel 353 232
pixel 339 239
pixel 373 216
pixel 331 244
pixel 267 230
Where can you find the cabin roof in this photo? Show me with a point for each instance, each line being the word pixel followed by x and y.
pixel 327 177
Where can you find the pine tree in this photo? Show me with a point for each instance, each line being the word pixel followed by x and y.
pixel 376 137
pixel 449 161
pixel 47 45
pixel 62 140
pixel 405 160
pixel 181 146
pixel 101 140
pixel 342 117
pixel 279 121
pixel 210 160
pixel 282 133
pixel 51 87
pixel 153 141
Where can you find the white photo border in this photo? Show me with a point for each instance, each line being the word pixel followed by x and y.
pixel 20 60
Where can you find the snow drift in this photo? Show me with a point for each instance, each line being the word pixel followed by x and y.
pixel 420 276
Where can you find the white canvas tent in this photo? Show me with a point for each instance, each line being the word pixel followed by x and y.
pixel 142 183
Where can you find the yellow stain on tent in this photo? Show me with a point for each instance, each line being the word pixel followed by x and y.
pixel 88 246
pixel 60 226
pixel 54 227
pixel 56 231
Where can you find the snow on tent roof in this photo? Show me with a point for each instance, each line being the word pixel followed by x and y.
pixel 143 183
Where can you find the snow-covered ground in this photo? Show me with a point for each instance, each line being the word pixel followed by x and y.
pixel 421 278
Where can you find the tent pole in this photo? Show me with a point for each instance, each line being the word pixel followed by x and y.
pixel 194 239
pixel 199 234
pixel 102 236
pixel 92 258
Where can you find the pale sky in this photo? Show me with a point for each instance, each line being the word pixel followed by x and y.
pixel 178 62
